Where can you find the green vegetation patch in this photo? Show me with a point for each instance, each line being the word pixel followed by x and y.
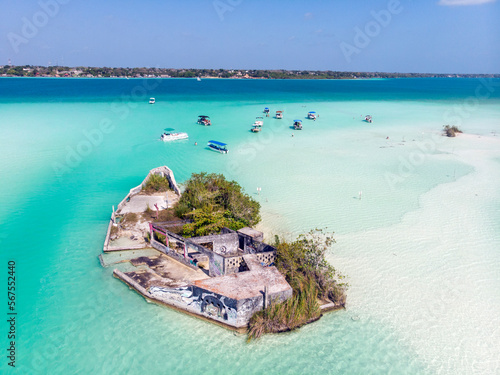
pixel 156 183
pixel 212 202
pixel 312 279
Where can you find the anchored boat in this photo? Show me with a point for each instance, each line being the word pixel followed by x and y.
pixel 259 121
pixel 279 114
pixel 218 146
pixel 173 136
pixel 152 100
pixel 297 124
pixel 368 118
pixel 311 115
pixel 204 120
pixel 257 125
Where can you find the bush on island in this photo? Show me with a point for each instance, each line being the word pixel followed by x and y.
pixel 156 183
pixel 451 130
pixel 312 279
pixel 212 202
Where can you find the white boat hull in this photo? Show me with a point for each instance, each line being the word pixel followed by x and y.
pixel 167 137
pixel 218 150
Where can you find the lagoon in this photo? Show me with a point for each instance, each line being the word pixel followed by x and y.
pixel 420 248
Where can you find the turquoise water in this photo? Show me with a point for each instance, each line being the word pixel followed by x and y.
pixel 420 248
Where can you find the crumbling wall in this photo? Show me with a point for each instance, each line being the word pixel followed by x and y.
pixel 163 171
pixel 171 253
pixel 223 244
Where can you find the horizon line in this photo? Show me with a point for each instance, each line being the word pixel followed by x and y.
pixel 243 69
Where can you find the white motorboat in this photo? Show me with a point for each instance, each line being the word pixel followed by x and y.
pixel 173 136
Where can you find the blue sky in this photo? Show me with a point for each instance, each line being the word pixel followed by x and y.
pixel 436 36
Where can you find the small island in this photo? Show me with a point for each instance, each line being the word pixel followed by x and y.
pixel 197 252
pixel 451 130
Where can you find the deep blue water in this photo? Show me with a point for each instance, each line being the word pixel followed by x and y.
pixel 91 89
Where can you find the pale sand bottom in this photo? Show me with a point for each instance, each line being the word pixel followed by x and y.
pixel 434 277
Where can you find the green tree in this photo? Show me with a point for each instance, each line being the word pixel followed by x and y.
pixel 212 202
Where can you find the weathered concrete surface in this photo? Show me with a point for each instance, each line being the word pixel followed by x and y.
pixel 223 244
pixel 172 253
pixel 252 262
pixel 161 171
pixel 139 203
pixel 254 233
pixel 168 268
pixel 249 284
pixel 173 303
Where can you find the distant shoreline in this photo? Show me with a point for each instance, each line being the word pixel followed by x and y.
pixel 250 79
pixel 104 72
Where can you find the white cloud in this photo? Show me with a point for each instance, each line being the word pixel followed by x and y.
pixel 308 16
pixel 464 2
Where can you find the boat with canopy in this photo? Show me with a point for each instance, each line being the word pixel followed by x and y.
pixel 218 146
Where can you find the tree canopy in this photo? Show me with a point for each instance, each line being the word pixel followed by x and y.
pixel 212 202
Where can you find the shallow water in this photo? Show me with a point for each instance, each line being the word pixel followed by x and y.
pixel 420 247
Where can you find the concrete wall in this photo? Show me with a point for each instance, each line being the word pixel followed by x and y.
pixel 162 171
pixel 225 259
pixel 249 306
pixel 216 261
pixel 223 244
pixel 199 301
pixel 171 253
pixel 249 245
pixel 233 264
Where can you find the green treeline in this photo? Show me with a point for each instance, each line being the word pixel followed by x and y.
pixel 144 72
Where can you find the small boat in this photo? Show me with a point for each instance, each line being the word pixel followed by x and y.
pixel 297 124
pixel 204 120
pixel 173 136
pixel 257 125
pixel 152 100
pixel 311 115
pixel 218 146
pixel 259 121
pixel 198 79
pixel 368 118
pixel 279 114
pixel 266 111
